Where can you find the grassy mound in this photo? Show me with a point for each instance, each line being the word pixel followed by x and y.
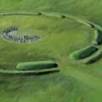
pixel 92 59
pixel 39 65
pixel 99 37
pixel 95 58
pixel 84 53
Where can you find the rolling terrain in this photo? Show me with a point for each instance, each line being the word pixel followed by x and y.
pixel 64 28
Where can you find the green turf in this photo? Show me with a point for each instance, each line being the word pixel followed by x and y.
pixel 59 37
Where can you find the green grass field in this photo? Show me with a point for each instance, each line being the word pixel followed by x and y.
pixel 59 38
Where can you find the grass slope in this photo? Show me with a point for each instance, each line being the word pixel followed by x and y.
pixel 59 38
